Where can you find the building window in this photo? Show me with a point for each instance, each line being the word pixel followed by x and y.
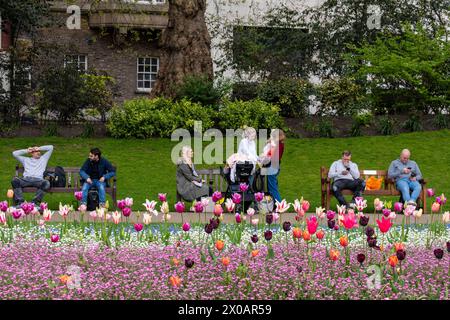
pixel 147 70
pixel 79 61
pixel 159 1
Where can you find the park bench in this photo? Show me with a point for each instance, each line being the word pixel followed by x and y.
pixel 72 183
pixel 387 188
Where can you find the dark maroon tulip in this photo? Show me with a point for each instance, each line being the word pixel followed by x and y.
pixel 372 242
pixel 361 257
pixel 370 231
pixel 286 226
pixel 189 263
pixel 438 253
pixel 268 235
pixel 401 254
pixel 331 224
pixel 208 228
pixel 254 238
pixel 299 269
pixel 363 221
pixel 269 218
pixel 214 223
pixel 448 246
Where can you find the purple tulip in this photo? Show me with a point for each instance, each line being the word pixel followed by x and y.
pixel 121 204
pixel 238 218
pixel 78 195
pixel 198 207
pixel 216 196
pixel 269 218
pixel 126 212
pixel 441 200
pixel 331 224
pixel 162 197
pixel 186 227
pixel 208 228
pixel 3 206
pixel 179 207
pixel 17 214
pixel 370 232
pixel 361 257
pixel 254 238
pixel 398 207
pixel 448 246
pixel 43 206
pixel 286 226
pixel 363 221
pixel 386 212
pixel 236 198
pixel 438 253
pixel 331 214
pixel 27 207
pixel 138 227
pixel 243 187
pixel 430 192
pixel 268 235
pixel 259 196
pixel 401 254
pixel 189 263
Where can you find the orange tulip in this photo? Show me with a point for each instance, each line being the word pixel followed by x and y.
pixel 10 194
pixel 255 253
pixel 219 245
pixel 64 278
pixel 297 232
pixel 393 260
pixel 399 246
pixel 435 207
pixel 334 254
pixel 306 235
pixel 320 234
pixel 175 262
pixel 343 241
pixel 175 281
pixel 226 261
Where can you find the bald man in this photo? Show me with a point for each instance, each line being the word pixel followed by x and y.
pixel 406 174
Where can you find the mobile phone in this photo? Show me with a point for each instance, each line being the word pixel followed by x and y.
pixel 347 168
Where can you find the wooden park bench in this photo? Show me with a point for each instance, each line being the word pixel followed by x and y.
pixel 72 183
pixel 387 187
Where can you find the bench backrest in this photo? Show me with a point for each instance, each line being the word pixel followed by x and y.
pixel 214 178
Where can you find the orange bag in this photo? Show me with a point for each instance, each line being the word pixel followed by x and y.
pixel 373 183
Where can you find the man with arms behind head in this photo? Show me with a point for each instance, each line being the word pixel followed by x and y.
pixel 95 172
pixel 33 174
pixel 406 174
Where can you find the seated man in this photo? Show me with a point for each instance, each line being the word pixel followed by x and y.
pixel 406 174
pixel 95 172
pixel 33 174
pixel 345 175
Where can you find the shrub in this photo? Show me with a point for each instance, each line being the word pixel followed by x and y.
pixel 441 121
pixel 51 129
pixel 386 125
pixel 254 113
pixel 343 97
pixel 145 118
pixel 244 91
pixel 413 123
pixel 326 129
pixel 359 121
pixel 203 90
pixel 291 95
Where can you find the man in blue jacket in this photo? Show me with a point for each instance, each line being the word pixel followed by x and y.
pixel 407 175
pixel 95 172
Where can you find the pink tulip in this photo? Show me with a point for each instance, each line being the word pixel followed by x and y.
pixel 179 207
pixel 259 196
pixel 186 227
pixel 93 214
pixel 43 206
pixel 430 192
pixel 128 202
pixel 27 207
pixel 216 196
pixel 312 225
pixel 435 207
pixel 217 210
pixel 398 207
pixel 350 221
pixel 282 206
pixel 409 210
pixel 305 205
pixel 54 238
pixel 138 227
pixel 126 211
pixel 236 197
pixel 162 197
pixel 3 206
pixel 78 195
pixel 121 204
pixel 331 214
pixel 17 213
pixel 2 218
pixel 198 207
pixel 243 187
pixel 229 204
pixel 250 212
pixel 116 217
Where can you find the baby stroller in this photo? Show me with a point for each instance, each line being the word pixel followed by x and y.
pixel 243 175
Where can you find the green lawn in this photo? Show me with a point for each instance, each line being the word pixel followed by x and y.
pixel 144 166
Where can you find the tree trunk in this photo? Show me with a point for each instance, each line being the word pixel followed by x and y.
pixel 186 46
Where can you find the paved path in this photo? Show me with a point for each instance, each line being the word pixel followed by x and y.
pixel 229 218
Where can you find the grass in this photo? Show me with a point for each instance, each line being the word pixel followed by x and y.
pixel 145 168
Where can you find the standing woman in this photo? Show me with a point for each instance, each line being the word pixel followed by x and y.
pixel 189 184
pixel 277 139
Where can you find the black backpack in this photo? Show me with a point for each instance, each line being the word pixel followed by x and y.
pixel 92 200
pixel 60 177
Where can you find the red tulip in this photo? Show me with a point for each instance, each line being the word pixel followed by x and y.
pixel 320 234
pixel 384 224
pixel 343 241
pixel 297 232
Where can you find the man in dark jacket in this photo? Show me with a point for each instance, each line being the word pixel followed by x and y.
pixel 95 172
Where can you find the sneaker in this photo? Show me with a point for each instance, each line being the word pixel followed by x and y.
pixel 83 207
pixel 411 203
pixel 102 205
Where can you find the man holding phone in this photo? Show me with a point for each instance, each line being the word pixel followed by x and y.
pixel 406 174
pixel 345 175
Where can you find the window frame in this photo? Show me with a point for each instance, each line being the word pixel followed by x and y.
pixel 78 61
pixel 144 89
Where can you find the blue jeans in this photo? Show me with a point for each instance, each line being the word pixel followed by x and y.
pixel 405 186
pixel 272 185
pixel 100 187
